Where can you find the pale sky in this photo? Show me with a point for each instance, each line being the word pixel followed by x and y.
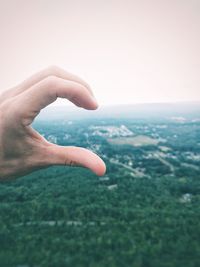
pixel 129 51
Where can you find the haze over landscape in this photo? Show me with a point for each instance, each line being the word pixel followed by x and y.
pixel 145 211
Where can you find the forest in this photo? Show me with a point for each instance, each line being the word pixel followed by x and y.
pixel 144 212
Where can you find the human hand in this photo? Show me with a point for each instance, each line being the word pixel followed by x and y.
pixel 22 149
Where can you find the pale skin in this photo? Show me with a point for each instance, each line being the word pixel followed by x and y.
pixel 23 149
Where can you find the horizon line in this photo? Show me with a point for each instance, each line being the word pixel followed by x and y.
pixel 132 104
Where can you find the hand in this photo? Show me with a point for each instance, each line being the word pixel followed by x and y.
pixel 22 149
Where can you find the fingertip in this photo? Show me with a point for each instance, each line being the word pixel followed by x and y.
pixel 100 168
pixel 93 104
pixel 87 101
pixel 91 160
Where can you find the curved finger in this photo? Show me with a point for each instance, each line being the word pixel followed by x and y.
pixel 41 75
pixel 29 103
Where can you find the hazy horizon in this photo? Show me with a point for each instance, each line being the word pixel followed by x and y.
pixel 64 102
pixel 190 110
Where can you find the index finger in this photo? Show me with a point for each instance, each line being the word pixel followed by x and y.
pixel 43 74
pixel 29 103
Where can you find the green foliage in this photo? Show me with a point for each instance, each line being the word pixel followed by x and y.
pixel 65 216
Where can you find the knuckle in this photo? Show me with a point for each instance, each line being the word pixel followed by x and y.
pixel 69 162
pixel 51 85
pixel 51 81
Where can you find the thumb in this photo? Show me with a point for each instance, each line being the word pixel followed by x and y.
pixel 76 156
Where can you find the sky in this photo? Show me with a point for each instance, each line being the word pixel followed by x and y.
pixel 129 51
